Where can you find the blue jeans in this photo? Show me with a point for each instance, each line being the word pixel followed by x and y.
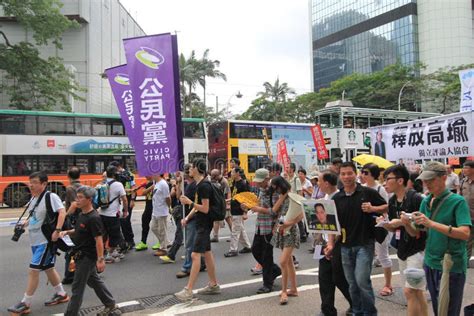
pixel 357 265
pixel 456 289
pixel 190 236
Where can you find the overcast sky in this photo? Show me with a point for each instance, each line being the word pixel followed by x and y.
pixel 255 41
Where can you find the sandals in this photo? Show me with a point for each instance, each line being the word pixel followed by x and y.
pixel 283 298
pixel 292 293
pixel 386 291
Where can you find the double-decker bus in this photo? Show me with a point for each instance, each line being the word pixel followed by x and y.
pixel 345 129
pixel 54 141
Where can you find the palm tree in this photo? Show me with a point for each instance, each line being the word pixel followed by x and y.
pixel 208 68
pixel 276 92
pixel 188 76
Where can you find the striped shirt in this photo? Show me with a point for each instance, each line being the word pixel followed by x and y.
pixel 265 222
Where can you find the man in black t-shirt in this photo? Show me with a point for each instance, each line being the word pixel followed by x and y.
pixel 356 208
pixel 89 255
pixel 239 185
pixel 409 249
pixel 200 207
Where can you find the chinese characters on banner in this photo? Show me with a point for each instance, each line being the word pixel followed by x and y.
pixel 318 139
pixel 153 75
pixel 467 89
pixel 120 84
pixel 437 137
pixel 283 158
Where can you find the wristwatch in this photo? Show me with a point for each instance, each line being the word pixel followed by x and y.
pixel 58 230
pixel 100 259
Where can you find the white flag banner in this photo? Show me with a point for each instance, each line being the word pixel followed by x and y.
pixel 436 137
pixel 467 89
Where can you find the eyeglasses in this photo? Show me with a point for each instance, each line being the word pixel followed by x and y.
pixel 390 178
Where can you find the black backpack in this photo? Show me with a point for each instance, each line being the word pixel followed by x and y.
pixel 49 225
pixel 217 204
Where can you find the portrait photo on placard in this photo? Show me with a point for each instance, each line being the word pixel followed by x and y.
pixel 321 216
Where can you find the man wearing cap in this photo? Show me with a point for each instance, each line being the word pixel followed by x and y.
pixel 467 190
pixel 446 217
pixel 262 250
pixel 317 191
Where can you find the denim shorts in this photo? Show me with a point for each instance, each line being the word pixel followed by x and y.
pixel 43 258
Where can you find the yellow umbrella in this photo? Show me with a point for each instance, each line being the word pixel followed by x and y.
pixel 379 161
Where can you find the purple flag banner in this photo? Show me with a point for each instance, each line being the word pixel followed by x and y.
pixel 120 84
pixel 154 81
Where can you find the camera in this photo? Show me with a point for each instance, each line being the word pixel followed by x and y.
pixel 17 232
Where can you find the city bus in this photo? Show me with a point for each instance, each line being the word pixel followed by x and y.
pixel 54 141
pixel 345 129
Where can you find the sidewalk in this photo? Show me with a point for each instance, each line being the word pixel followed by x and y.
pixel 308 302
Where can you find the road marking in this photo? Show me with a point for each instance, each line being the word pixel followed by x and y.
pixel 182 308
pixel 129 303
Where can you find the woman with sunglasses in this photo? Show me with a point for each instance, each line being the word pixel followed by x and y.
pixel 287 242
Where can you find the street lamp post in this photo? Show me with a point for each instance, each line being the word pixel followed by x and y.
pixel 400 93
pixel 237 94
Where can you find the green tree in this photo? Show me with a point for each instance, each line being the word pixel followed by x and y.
pixel 33 82
pixel 276 92
pixel 208 68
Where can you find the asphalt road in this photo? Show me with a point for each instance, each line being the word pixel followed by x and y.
pixel 141 275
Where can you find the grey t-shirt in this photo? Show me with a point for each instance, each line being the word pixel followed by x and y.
pixel 38 216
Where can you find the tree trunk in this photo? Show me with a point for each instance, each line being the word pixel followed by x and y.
pixel 189 102
pixel 204 88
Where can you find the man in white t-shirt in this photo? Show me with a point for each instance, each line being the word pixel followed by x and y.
pixel 159 217
pixel 44 252
pixel 306 186
pixel 452 180
pixel 110 215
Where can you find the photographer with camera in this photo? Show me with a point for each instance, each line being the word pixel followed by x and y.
pixel 404 203
pixel 88 254
pixel 44 252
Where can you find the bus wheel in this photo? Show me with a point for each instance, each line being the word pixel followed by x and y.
pixel 16 195
pixel 58 188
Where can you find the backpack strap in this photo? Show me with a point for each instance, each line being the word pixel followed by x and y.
pixel 49 208
pixel 438 207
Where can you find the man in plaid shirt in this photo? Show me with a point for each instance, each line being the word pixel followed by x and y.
pixel 262 250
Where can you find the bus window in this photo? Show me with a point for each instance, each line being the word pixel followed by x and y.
pixel 55 125
pixel 375 121
pixel 99 127
pixel 82 126
pixel 216 132
pixel 242 131
pixel 362 122
pixel 348 122
pixel 387 121
pixel 335 120
pixel 82 162
pixel 193 130
pixel 324 120
pixel 16 124
pixel 117 129
pixel 19 165
pixel 256 162
pixel 53 164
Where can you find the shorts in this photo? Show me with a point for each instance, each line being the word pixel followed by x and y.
pixel 414 262
pixel 228 214
pixel 202 242
pixel 44 257
pixel 112 230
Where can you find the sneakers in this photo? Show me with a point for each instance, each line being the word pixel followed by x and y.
pixel 110 311
pixel 210 290
pixel 215 239
pixel 182 274
pixel 184 295
pixel 231 254
pixel 156 246
pixel 245 250
pixel 256 271
pixel 20 309
pixel 117 254
pixel 141 246
pixel 166 259
pixel 110 259
pixel 57 299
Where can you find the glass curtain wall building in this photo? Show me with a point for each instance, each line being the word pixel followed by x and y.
pixel 361 36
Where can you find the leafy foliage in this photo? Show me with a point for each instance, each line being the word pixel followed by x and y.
pixel 34 82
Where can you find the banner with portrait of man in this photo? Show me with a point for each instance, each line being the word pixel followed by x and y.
pixel 321 216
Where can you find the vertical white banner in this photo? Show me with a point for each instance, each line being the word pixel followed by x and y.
pixel 467 89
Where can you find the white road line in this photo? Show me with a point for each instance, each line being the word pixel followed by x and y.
pixel 129 303
pixel 259 279
pixel 182 308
